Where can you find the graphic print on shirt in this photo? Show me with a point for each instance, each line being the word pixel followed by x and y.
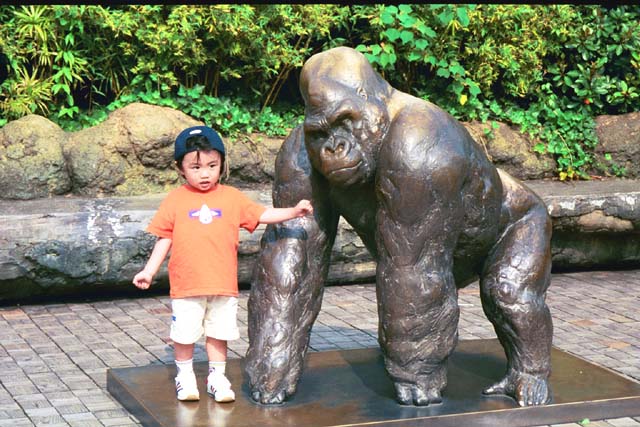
pixel 205 215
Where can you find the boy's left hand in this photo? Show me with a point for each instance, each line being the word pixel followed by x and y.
pixel 304 208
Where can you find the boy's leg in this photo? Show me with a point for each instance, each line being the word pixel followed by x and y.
pixel 216 349
pixel 220 326
pixel 218 385
pixel 183 352
pixel 186 329
pixel 217 354
pixel 186 385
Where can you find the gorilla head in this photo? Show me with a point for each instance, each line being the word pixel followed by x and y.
pixel 346 116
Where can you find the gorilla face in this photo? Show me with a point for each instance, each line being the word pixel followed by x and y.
pixel 343 130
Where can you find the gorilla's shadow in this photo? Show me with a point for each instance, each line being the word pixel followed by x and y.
pixel 359 374
pixel 469 373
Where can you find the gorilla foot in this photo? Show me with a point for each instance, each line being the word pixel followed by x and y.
pixel 269 398
pixel 413 394
pixel 526 389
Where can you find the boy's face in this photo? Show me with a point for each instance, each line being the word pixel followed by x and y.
pixel 201 169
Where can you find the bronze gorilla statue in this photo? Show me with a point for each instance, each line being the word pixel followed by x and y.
pixel 434 213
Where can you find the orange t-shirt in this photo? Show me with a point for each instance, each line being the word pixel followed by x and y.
pixel 204 229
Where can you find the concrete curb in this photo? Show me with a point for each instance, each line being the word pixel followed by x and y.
pixel 71 245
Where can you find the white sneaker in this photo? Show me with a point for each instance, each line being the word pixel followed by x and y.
pixel 219 387
pixel 187 387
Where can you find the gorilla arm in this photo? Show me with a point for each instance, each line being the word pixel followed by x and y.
pixel 287 285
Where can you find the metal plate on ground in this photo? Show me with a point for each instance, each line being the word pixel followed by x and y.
pixel 351 388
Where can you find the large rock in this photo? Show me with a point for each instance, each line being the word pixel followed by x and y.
pixel 130 153
pixel 511 151
pixel 619 136
pixel 96 168
pixel 32 164
pixel 252 159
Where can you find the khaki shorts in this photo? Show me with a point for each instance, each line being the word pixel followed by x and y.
pixel 214 316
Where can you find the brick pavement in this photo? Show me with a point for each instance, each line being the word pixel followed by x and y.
pixel 54 357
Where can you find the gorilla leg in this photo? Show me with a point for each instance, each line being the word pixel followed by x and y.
pixel 513 290
pixel 418 329
pixel 418 224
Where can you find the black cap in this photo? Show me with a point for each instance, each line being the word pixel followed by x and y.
pixel 215 142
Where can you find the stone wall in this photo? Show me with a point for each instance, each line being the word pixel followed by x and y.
pixel 131 153
pixel 596 224
pixel 67 245
pixel 77 245
pixel 73 205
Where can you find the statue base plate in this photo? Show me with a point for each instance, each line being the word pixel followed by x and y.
pixel 351 387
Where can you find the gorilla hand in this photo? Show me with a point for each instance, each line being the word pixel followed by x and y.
pixel 273 377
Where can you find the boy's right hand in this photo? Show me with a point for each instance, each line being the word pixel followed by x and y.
pixel 143 280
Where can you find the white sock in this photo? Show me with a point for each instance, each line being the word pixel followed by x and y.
pixel 217 367
pixel 185 366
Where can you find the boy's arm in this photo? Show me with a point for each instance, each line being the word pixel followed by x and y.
pixel 276 215
pixel 143 279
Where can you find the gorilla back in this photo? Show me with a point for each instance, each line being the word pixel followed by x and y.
pixel 435 214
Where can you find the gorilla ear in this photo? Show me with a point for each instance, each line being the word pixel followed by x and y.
pixel 360 91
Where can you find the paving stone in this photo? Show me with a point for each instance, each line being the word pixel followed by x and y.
pixel 73 409
pixel 10 413
pixel 111 413
pixel 62 397
pixel 23 389
pixel 68 347
pixel 104 407
pixel 119 422
pixel 84 423
pixel 33 401
pixel 15 422
pixel 76 413
pixel 624 422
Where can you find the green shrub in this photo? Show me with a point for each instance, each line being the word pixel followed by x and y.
pixel 224 114
pixel 66 56
pixel 547 69
pixel 227 49
pixel 58 55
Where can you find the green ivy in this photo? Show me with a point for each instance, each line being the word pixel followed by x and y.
pixel 548 69
pixel 225 115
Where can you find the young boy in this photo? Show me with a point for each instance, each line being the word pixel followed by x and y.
pixel 200 223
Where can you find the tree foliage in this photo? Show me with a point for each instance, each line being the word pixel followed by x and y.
pixel 548 69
